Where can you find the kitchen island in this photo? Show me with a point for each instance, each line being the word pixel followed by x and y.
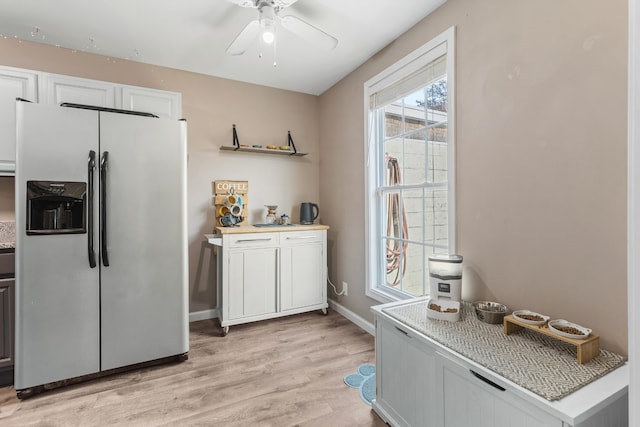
pixel 270 271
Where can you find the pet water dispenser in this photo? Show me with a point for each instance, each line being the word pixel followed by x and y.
pixel 445 287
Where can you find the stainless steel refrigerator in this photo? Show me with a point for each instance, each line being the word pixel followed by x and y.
pixel 101 244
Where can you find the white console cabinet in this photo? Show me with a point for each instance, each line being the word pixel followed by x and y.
pixel 469 397
pixel 405 377
pixel 267 272
pixel 420 382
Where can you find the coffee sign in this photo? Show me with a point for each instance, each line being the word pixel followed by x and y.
pixel 230 201
pixel 226 187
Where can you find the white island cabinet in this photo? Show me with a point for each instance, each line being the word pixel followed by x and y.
pixel 420 382
pixel 251 276
pixel 267 272
pixel 303 263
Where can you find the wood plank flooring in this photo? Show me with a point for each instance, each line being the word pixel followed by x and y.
pixel 280 372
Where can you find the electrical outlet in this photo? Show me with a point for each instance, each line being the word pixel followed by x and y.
pixel 345 288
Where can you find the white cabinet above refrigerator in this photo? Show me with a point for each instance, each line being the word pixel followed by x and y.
pixel 55 89
pixel 14 83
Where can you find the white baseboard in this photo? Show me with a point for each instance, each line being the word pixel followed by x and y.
pixel 203 315
pixel 353 317
pixel 350 315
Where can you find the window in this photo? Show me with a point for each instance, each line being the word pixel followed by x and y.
pixel 409 148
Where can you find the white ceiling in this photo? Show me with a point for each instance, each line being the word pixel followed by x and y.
pixel 193 35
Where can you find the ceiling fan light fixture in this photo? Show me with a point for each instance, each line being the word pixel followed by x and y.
pixel 268 34
pixel 263 29
pixel 267 24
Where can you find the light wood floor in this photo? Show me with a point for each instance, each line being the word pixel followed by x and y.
pixel 281 372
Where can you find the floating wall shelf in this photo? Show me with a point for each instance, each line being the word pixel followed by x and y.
pixel 290 148
pixel 261 150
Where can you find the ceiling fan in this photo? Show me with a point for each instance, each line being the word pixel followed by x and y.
pixel 268 19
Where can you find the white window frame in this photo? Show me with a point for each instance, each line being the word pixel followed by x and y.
pixel 407 65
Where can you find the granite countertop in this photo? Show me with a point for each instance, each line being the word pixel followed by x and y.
pixel 7 234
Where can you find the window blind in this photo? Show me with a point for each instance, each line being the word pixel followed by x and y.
pixel 420 78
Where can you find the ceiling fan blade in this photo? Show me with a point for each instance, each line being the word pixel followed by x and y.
pixel 281 4
pixel 309 32
pixel 243 3
pixel 247 36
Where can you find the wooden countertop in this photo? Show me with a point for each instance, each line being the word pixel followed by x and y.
pixel 269 229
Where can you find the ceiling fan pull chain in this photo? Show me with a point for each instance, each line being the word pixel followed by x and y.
pixel 275 63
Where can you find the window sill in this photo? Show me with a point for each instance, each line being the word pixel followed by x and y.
pixel 385 297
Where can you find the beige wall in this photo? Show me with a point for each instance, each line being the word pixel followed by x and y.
pixel 211 105
pixel 541 165
pixel 541 158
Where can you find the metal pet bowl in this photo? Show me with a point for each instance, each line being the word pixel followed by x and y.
pixel 490 312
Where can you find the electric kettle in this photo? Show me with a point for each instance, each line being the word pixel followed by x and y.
pixel 308 212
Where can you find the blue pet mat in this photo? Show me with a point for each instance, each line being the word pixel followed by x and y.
pixel 365 381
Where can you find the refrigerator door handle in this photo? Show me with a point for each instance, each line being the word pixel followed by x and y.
pixel 104 164
pixel 91 167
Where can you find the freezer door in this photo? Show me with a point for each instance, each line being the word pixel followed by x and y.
pixel 144 287
pixel 57 293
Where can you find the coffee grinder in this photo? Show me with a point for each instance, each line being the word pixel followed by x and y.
pixel 445 286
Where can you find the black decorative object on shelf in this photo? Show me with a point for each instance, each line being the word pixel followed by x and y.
pixel 290 142
pixel 236 142
pixel 287 150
